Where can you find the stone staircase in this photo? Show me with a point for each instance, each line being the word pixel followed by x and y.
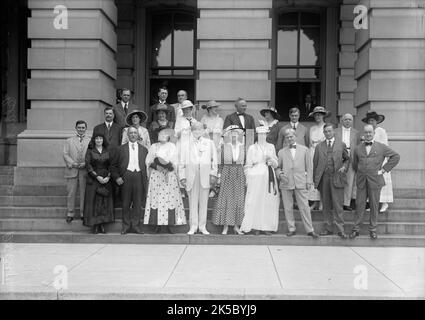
pixel 34 214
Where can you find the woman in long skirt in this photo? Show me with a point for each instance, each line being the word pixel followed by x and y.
pixel 164 204
pixel 262 195
pixel 230 205
pixel 316 136
pixel 381 136
pixel 98 200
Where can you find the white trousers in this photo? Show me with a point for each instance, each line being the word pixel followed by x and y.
pixel 349 193
pixel 198 204
pixel 71 187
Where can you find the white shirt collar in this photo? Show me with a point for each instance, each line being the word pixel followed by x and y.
pixel 344 128
pixel 109 123
pixel 124 103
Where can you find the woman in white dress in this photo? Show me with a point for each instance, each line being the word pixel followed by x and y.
pixel 316 136
pixel 164 204
pixel 213 123
pixel 262 195
pixel 381 136
pixel 135 119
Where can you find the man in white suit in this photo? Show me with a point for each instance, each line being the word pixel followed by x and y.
pixel 198 172
pixel 295 173
pixel 74 153
pixel 350 136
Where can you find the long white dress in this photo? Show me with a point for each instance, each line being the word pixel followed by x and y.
pixel 387 190
pixel 316 136
pixel 261 202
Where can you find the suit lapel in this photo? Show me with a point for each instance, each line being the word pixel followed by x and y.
pixel 238 120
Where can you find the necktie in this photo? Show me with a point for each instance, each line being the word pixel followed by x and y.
pixel 109 126
pixel 132 145
pixel 294 127
pixel 126 108
pixel 329 144
pixel 368 143
pixel 190 121
pixel 81 138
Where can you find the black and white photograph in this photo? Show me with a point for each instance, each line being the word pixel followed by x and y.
pixel 221 152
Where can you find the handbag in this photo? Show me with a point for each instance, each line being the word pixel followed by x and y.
pixel 102 191
pixel 340 180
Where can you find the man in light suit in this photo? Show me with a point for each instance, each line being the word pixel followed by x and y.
pixel 300 130
pixel 123 108
pixel 74 153
pixel 296 178
pixel 197 173
pixel 350 136
pixel 330 164
pixel 129 171
pixel 367 162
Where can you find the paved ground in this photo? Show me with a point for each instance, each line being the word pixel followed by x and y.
pixel 99 271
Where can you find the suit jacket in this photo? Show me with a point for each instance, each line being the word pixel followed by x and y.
pixel 72 151
pixel 368 165
pixel 113 137
pixel 354 138
pixel 233 119
pixel 340 157
pixel 301 136
pixel 203 156
pixel 296 172
pixel 273 135
pixel 121 161
pixel 120 114
pixel 171 114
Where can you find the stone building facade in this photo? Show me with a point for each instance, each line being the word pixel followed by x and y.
pixel 271 52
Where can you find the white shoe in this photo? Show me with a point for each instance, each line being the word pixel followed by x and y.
pixel 225 229
pixel 192 231
pixel 204 231
pixel 384 207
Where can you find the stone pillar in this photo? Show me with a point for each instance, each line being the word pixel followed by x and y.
pixel 72 76
pixel 234 57
pixel 390 73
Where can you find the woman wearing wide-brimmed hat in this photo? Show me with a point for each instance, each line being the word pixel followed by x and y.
pixel 160 123
pixel 381 136
pixel 164 204
pixel 262 194
pixel 316 136
pixel 212 121
pixel 230 205
pixel 135 119
pixel 271 121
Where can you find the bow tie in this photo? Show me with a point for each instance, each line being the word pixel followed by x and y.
pixel 294 146
pixel 368 143
pixel 240 114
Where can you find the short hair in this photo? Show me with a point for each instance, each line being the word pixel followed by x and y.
pixel 293 110
pixel 80 122
pixel 132 127
pixel 185 92
pixel 108 108
pixel 239 100
pixel 347 114
pixel 328 124
pixel 162 88
pixel 290 130
pixel 125 89
pixel 92 143
pixel 368 125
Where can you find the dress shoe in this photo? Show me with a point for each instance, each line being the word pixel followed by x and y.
pixel 313 235
pixel 157 229
pixel 69 219
pixel 191 231
pixel 326 233
pixel 353 234
pixel 384 207
pixel 267 233
pixel 124 231
pixel 95 229
pixel 203 231
pixel 347 208
pixel 256 232
pixel 170 231
pixel 373 235
pixel 138 231
pixel 291 233
pixel 342 235
pixel 102 229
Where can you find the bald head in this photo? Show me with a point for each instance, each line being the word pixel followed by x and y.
pixel 369 132
pixel 347 120
pixel 181 96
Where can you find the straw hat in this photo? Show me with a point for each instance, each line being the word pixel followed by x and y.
pixel 320 109
pixel 262 129
pixel 186 104
pixel 272 110
pixel 233 128
pixel 142 115
pixel 211 104
pixel 373 115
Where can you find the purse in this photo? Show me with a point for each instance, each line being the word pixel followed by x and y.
pixel 102 191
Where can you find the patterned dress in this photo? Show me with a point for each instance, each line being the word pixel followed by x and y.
pixel 316 136
pixel 230 205
pixel 164 204
pixel 387 190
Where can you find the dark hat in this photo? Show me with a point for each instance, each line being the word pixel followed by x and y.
pixel 162 107
pixel 142 115
pixel 272 110
pixel 210 104
pixel 320 109
pixel 373 115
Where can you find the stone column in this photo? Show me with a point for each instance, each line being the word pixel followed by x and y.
pixel 234 57
pixel 72 75
pixel 390 73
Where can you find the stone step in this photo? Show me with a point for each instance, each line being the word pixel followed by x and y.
pixel 6 179
pixel 408 203
pixel 416 193
pixel 7 170
pixel 384 240
pixel 57 225
pixel 60 212
pixel 6 190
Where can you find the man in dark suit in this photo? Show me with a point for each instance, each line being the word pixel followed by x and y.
pixel 162 100
pixel 330 164
pixel 111 130
pixel 350 136
pixel 300 130
pixel 242 120
pixel 123 108
pixel 129 171
pixel 367 162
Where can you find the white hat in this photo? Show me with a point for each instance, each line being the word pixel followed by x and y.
pixel 262 129
pixel 186 104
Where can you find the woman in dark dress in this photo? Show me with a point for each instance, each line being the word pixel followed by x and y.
pixel 98 202
pixel 272 121
pixel 160 124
